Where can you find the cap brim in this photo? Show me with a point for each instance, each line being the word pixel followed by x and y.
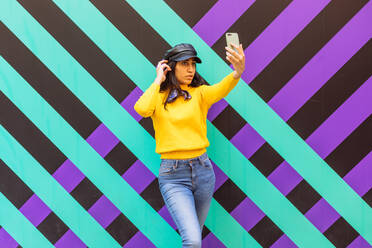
pixel 185 57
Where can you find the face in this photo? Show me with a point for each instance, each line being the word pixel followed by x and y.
pixel 185 71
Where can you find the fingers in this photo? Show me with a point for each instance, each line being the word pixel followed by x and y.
pixel 231 58
pixel 162 65
pixel 161 62
pixel 238 55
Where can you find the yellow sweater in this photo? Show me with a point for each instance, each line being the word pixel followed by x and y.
pixel 181 130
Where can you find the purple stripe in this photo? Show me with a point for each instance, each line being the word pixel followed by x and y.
pixel 322 215
pixel 312 76
pixel 324 64
pixel 351 113
pixel 279 34
pixel 330 134
pixel 6 240
pixel 359 178
pixel 219 18
pixel 359 242
pixel 69 176
pixel 104 212
pixel 216 109
pixel 248 141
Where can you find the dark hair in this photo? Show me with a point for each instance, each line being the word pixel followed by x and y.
pixel 171 82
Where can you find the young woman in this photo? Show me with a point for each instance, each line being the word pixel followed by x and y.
pixel 178 102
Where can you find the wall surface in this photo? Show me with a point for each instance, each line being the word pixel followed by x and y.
pixel 291 145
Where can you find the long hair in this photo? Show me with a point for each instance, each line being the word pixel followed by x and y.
pixel 171 82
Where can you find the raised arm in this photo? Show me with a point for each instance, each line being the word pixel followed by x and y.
pixel 146 104
pixel 214 93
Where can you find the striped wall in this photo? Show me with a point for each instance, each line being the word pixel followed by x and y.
pixel 291 145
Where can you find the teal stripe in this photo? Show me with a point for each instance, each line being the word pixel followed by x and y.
pixel 88 90
pixel 20 228
pixel 113 42
pixel 35 176
pixel 111 184
pixel 264 120
pixel 220 221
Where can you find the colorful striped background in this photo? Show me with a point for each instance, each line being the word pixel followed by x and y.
pixel 78 164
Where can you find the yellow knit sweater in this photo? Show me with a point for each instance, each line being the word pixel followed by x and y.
pixel 181 130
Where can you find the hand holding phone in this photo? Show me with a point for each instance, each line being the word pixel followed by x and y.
pixel 235 54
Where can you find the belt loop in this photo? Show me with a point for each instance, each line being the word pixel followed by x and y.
pixel 201 160
pixel 175 165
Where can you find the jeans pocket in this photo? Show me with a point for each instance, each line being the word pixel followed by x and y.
pixel 207 163
pixel 166 169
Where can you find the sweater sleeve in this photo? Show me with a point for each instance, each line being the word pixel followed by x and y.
pixel 145 105
pixel 213 93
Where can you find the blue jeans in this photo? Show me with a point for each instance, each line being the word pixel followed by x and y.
pixel 187 187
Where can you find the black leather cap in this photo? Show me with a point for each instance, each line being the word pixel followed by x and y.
pixel 181 52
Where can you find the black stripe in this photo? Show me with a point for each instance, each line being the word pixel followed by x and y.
pixel 341 234
pixel 139 32
pixel 335 92
pixel 368 197
pixel 80 47
pixel 302 48
pixel 229 122
pixel 353 149
pixel 119 154
pixel 47 84
pixel 52 227
pixel 229 195
pixel 191 11
pixel 266 159
pixel 303 196
pixel 153 196
pixel 251 24
pixel 86 193
pixel 265 232
pixel 13 187
pixel 29 136
pixel 321 105
pixel 121 229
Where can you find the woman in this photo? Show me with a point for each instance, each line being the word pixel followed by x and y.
pixel 178 102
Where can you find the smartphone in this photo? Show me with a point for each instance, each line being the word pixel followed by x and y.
pixel 232 38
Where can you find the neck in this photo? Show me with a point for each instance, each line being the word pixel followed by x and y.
pixel 184 86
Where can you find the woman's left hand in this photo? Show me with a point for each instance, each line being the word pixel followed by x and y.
pixel 237 59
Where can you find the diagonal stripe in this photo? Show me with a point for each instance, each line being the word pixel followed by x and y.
pixel 313 75
pixel 330 134
pixel 268 124
pixel 354 111
pixel 221 16
pixel 233 223
pixel 112 116
pixel 107 46
pixel 91 164
pixel 166 235
pixel 39 180
pixel 309 41
pixel 282 30
pixel 285 178
pixel 18 226
pixel 6 240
